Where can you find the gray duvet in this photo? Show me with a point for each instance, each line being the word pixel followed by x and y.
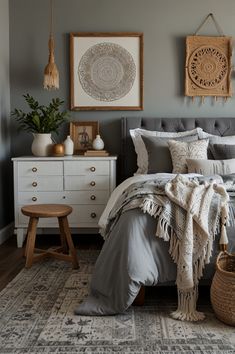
pixel 133 256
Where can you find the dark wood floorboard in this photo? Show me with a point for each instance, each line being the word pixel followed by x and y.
pixel 12 260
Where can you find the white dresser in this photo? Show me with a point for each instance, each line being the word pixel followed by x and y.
pixel 85 183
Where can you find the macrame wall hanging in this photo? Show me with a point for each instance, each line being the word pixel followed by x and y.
pixel 51 73
pixel 208 64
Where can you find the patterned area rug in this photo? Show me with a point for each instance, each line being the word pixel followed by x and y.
pixel 36 316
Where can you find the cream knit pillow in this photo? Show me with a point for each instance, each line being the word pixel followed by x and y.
pixel 181 151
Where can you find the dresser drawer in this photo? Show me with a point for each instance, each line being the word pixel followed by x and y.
pixel 86 197
pixel 73 183
pixel 42 183
pixel 43 222
pixel 86 168
pixel 40 168
pixel 81 214
pixel 35 197
pixel 71 198
pixel 86 214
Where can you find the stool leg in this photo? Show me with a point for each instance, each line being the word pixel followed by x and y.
pixel 64 229
pixel 63 238
pixel 31 236
pixel 26 245
pixel 27 238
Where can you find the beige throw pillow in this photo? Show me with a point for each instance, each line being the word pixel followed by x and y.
pixel 181 151
pixel 211 167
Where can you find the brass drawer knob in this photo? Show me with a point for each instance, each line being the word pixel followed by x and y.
pixel 93 215
pixel 92 183
pixel 93 197
pixel 92 169
pixel 34 169
pixel 34 199
pixel 34 184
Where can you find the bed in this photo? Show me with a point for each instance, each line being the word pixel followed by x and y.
pixel 133 256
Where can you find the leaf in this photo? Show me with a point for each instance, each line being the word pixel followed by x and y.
pixel 41 118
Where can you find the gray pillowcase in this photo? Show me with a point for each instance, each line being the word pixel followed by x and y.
pixel 159 157
pixel 214 139
pixel 223 151
pixel 211 167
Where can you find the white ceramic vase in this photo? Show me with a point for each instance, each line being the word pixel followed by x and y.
pixel 98 143
pixel 41 145
pixel 68 146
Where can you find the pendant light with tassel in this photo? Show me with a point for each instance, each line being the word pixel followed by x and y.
pixel 51 73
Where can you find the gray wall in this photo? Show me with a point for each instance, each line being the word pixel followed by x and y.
pixel 165 23
pixel 5 153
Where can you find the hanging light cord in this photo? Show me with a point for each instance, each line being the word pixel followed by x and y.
pixel 51 17
pixel 51 38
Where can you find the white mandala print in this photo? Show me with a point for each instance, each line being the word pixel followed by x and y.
pixel 107 72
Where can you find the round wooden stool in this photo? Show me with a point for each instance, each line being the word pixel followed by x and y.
pixel 61 211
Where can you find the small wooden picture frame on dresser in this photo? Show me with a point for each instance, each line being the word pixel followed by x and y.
pixel 83 134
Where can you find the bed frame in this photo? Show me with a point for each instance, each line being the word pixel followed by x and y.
pixel 217 126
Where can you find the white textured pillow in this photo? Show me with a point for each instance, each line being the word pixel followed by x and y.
pixel 229 140
pixel 181 151
pixel 211 167
pixel 205 135
pixel 197 131
pixel 140 149
pixel 216 139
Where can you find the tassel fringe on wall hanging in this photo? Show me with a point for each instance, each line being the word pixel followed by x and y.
pixel 208 64
pixel 51 73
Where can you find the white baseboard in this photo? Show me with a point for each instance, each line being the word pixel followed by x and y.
pixel 6 232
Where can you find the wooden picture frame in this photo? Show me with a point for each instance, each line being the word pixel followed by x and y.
pixel 106 71
pixel 83 134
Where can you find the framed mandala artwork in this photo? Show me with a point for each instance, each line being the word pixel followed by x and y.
pixel 208 66
pixel 106 71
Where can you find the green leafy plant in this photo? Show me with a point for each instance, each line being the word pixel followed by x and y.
pixel 41 119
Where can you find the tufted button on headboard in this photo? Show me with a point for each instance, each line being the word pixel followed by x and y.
pixel 216 126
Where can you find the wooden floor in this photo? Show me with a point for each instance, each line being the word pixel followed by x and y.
pixel 12 260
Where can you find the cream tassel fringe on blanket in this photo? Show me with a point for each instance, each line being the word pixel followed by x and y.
pixel 191 237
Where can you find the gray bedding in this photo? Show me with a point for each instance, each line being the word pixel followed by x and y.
pixel 133 256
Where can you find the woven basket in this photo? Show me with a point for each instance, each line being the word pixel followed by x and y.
pixel 223 288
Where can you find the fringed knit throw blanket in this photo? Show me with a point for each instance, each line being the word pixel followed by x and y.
pixel 188 217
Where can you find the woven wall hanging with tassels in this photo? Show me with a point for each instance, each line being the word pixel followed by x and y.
pixel 51 73
pixel 208 64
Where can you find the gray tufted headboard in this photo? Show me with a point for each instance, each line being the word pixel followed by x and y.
pixel 217 126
